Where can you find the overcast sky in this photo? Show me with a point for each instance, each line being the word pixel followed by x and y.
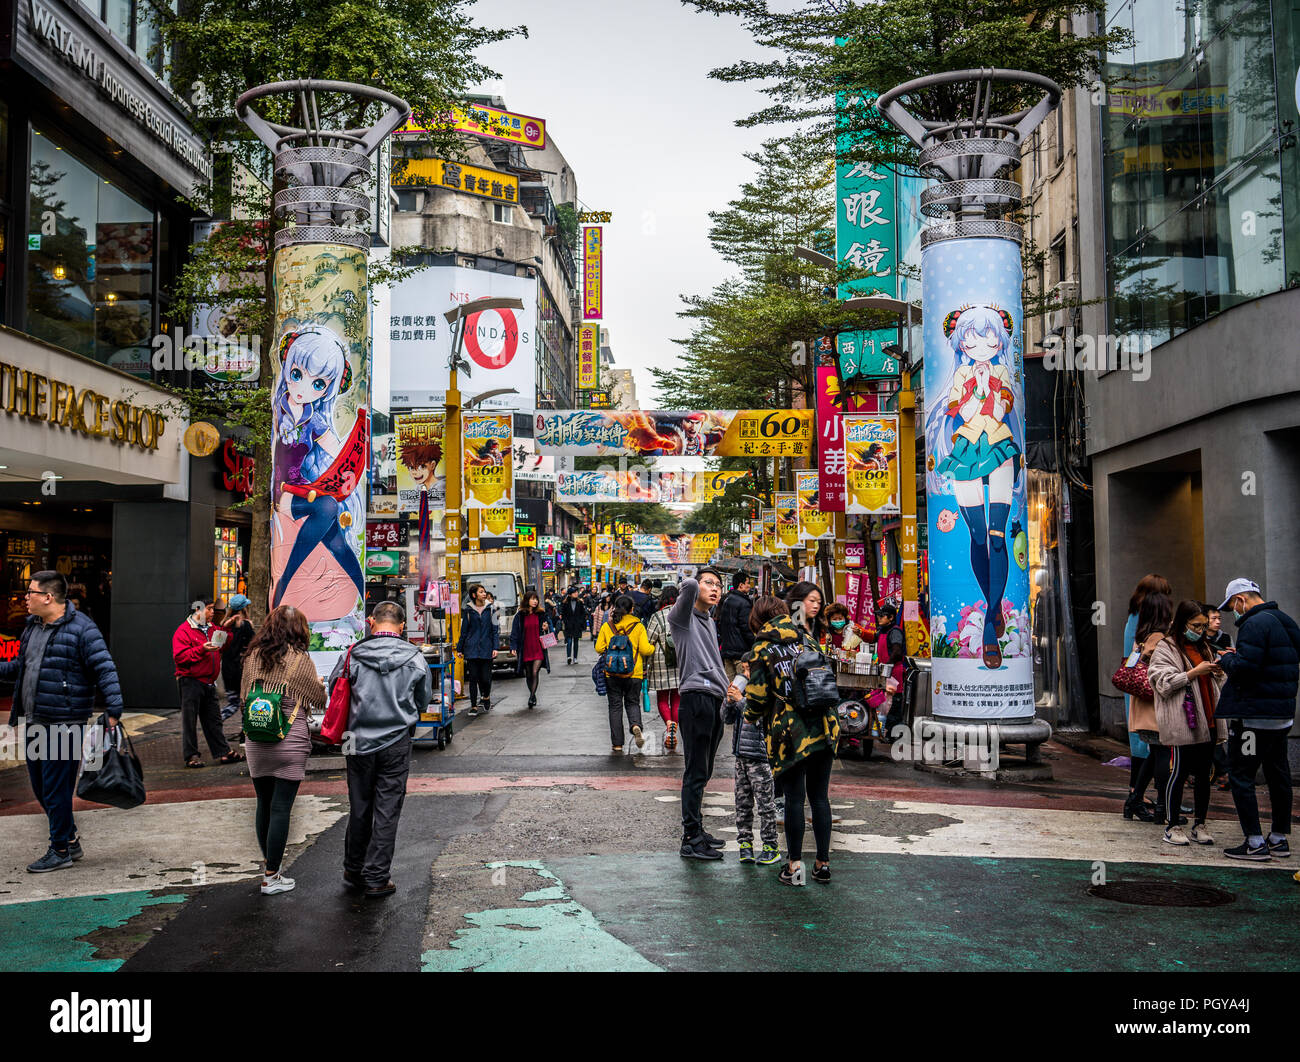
pixel 625 92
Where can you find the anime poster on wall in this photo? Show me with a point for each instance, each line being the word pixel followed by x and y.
pixel 420 467
pixel 489 468
pixel 975 481
pixel 321 441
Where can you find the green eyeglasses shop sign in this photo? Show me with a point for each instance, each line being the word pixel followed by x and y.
pixel 866 215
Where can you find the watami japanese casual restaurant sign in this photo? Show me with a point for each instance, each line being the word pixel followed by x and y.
pixel 588 357
pixel 491 122
pixel 691 433
pixel 474 180
pixel 593 269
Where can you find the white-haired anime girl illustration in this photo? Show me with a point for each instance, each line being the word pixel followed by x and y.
pixel 971 436
pixel 314 373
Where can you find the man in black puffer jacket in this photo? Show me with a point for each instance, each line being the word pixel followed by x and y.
pixel 1259 699
pixel 61 661
pixel 733 623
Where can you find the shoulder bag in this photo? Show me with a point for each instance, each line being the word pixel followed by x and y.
pixel 264 718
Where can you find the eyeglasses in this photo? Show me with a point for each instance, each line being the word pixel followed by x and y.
pixel 31 593
pixel 711 583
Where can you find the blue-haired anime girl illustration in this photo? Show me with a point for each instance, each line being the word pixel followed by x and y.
pixel 971 436
pixel 313 374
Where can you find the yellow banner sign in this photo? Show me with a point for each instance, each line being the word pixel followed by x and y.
pixel 488 464
pixel 603 550
pixel 709 486
pixel 871 459
pixel 437 173
pixel 771 545
pixel 492 122
pixel 787 519
pixel 746 545
pixel 813 523
pixel 498 522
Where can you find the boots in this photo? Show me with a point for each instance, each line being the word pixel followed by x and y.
pixel 1135 808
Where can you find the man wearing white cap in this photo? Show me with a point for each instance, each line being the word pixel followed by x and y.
pixel 1258 700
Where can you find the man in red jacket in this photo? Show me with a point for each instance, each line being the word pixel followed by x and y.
pixel 198 662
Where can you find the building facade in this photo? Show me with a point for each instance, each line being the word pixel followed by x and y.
pixel 1194 404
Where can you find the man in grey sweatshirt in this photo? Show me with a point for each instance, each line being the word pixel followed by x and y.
pixel 390 688
pixel 703 687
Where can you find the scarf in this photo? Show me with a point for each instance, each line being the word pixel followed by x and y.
pixel 1206 686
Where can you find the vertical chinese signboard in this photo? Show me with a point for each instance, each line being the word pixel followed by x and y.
pixel 588 356
pixel 830 438
pixel 865 238
pixel 592 273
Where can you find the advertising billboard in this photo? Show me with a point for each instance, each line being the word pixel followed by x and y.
pixel 593 280
pixel 662 433
pixel 871 463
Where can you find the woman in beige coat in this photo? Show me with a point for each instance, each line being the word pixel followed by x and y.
pixel 1186 682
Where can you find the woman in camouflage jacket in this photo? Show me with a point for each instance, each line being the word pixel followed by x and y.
pixel 801 748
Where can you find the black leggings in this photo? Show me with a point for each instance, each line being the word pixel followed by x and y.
pixel 532 668
pixel 811 776
pixel 274 804
pixel 1156 766
pixel 1196 761
pixel 479 675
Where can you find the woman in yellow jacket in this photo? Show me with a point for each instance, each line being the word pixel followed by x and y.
pixel 623 671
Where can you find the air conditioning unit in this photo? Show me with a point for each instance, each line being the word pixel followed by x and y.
pixel 1064 296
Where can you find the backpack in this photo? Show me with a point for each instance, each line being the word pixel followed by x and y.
pixel 264 718
pixel 620 657
pixel 813 684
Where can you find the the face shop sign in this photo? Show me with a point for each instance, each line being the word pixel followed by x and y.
pixel 56 35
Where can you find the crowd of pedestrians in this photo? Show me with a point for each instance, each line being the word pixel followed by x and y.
pixel 1199 707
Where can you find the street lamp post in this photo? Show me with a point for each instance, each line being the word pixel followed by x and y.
pixel 458 319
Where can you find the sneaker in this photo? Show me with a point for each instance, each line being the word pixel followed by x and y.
pixel 51 860
pixel 1175 835
pixel 1256 854
pixel 616 750
pixel 1281 850
pixel 698 849
pixel 485 707
pixel 273 883
pixel 714 842
pixel 473 711
pixel 822 874
pixel 638 737
pixel 771 854
pixel 746 851
pixel 791 877
pixel 1200 835
pixel 74 849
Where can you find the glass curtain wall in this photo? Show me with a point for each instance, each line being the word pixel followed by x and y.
pixel 1194 156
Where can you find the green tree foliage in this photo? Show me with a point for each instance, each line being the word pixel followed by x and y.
pixel 863 47
pixel 423 51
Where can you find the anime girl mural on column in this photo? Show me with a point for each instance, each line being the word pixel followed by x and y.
pixel 320 442
pixel 974 435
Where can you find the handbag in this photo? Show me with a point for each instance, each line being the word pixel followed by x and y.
pixel 1189 707
pixel 549 640
pixel 336 713
pixel 264 719
pixel 119 780
pixel 1133 680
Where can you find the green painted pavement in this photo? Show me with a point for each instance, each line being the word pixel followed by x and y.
pixel 557 935
pixel 42 936
pixel 900 912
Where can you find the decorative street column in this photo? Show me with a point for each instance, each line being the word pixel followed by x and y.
pixel 981 653
pixel 320 394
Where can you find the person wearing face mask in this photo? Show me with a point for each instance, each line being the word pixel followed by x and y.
pixel 1186 682
pixel 1258 700
pixel 838 626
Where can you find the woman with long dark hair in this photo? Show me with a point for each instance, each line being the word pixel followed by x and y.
pixel 277 658
pixel 662 675
pixel 1138 749
pixel 801 748
pixel 478 646
pixel 526 632
pixel 1186 682
pixel 1153 620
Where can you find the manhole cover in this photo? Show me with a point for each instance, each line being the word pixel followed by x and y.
pixel 1162 894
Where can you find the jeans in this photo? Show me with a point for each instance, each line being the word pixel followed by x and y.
pixel 199 706
pixel 1270 753
pixel 1194 761
pixel 376 791
pixel 700 723
pixel 810 776
pixel 624 696
pixel 53 752
pixel 571 643
pixel 274 806
pixel 478 673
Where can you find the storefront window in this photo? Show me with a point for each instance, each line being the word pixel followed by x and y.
pixel 89 262
pixel 1193 178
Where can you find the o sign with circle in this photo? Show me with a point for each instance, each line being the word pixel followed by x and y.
pixel 201 438
pixel 492 338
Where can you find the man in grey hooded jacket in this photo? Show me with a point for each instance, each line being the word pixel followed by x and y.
pixel 391 686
